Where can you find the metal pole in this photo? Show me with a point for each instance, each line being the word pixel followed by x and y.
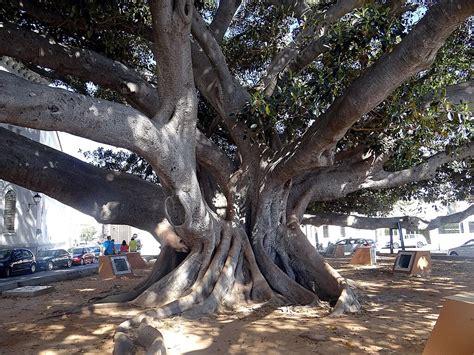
pixel 402 242
pixel 391 240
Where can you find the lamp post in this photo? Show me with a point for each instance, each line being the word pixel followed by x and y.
pixel 36 201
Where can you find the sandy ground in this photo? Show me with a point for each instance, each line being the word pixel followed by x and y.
pixel 398 315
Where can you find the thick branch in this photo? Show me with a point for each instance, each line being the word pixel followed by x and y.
pixel 427 170
pixel 332 183
pixel 416 52
pixel 109 197
pixel 218 86
pixel 360 222
pixel 83 64
pixel 38 106
pixel 225 102
pixel 224 15
pixel 452 218
pixel 458 93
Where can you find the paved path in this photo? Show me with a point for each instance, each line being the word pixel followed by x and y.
pixel 47 277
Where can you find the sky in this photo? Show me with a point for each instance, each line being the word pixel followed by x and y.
pixel 72 144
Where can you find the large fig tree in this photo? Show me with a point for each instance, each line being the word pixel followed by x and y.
pixel 245 115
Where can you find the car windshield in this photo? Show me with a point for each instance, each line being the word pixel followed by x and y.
pixel 4 253
pixel 43 253
pixel 77 251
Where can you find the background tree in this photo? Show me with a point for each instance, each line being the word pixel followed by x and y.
pixel 296 105
pixel 87 234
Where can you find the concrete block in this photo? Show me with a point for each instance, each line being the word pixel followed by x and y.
pixel 413 262
pixel 453 332
pixel 364 256
pixel 136 261
pixel 339 251
pixel 28 291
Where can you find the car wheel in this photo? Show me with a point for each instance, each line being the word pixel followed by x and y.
pixel 95 261
pixel 32 268
pixel 419 245
pixel 50 266
pixel 69 263
pixel 396 246
pixel 453 253
pixel 82 261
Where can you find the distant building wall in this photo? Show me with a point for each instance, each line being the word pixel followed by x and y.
pixel 324 235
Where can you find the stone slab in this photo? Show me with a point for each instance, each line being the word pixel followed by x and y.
pixel 8 286
pixel 28 291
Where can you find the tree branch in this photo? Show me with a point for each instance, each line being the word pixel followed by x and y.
pixel 458 93
pixel 416 52
pixel 366 173
pixel 80 63
pixel 359 222
pixel 385 179
pixel 452 218
pixel 109 197
pixel 225 102
pixel 291 53
pixel 38 106
pixel 218 86
pixel 408 222
pixel 224 15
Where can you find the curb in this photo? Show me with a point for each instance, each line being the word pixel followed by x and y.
pixel 41 280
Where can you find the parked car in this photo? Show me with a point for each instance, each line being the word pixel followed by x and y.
pixel 82 255
pixel 350 244
pixel 49 259
pixel 16 260
pixel 467 249
pixel 410 241
pixel 95 249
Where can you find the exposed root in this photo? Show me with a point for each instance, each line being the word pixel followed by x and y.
pixel 206 295
pixel 146 337
pixel 279 280
pixel 347 303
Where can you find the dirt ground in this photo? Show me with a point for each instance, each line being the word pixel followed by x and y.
pixel 398 315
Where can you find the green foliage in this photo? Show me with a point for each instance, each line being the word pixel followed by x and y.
pixel 87 234
pixel 122 161
pixel 415 121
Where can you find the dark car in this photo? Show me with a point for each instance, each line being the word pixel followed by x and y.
pixel 16 261
pixel 49 259
pixel 82 255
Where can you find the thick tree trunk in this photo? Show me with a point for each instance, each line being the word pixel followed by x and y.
pixel 274 262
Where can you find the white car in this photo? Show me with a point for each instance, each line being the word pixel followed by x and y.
pixel 410 241
pixel 467 249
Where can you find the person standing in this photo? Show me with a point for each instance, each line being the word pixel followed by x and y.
pixel 108 246
pixel 133 247
pixel 123 247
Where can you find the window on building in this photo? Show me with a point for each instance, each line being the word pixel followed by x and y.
pixel 471 227
pixel 10 211
pixel 343 232
pixel 325 232
pixel 449 228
